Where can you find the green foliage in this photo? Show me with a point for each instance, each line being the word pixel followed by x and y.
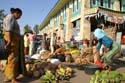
pixel 36 29
pixel 27 28
pixel 2 15
pixel 48 77
pixel 71 45
pixel 107 77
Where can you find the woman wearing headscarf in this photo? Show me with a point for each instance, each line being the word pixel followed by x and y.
pixel 15 62
pixel 111 47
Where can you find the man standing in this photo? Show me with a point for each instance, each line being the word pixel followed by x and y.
pixel 44 42
pixel 31 37
pixel 26 44
pixel 53 42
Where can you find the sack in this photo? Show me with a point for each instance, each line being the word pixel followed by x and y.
pixel 3 52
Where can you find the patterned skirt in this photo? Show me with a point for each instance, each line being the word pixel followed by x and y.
pixel 15 62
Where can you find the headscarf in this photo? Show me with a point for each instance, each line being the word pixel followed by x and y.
pixel 99 33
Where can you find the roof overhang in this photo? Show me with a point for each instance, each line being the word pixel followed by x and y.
pixel 111 15
pixel 56 9
pixel 92 11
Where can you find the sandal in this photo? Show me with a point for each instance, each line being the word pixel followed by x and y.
pixel 6 80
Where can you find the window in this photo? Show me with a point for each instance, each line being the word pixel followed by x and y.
pixel 77 4
pixel 101 2
pixel 73 5
pixel 94 2
pixel 109 3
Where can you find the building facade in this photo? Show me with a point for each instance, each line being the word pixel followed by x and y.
pixel 81 17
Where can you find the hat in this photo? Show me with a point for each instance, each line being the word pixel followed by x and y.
pixel 99 33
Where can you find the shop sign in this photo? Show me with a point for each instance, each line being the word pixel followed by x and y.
pixel 115 19
pixel 112 18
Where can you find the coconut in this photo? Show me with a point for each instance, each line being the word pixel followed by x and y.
pixel 29 73
pixel 42 72
pixel 51 67
pixel 38 66
pixel 68 58
pixel 36 74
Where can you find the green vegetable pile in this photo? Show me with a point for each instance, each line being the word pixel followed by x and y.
pixel 48 77
pixel 71 45
pixel 107 77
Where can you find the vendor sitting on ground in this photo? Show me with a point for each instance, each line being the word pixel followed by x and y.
pixel 111 47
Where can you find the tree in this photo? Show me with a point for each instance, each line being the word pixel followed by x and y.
pixel 36 29
pixel 27 28
pixel 2 15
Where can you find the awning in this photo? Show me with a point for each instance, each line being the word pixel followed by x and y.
pixel 112 16
pixel 117 17
pixel 91 15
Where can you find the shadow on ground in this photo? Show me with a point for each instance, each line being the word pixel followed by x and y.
pixel 118 63
pixel 27 79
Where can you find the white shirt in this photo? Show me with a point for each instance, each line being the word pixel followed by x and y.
pixel 26 41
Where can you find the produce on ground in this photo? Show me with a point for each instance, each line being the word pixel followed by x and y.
pixel 49 77
pixel 64 73
pixel 45 55
pixel 61 74
pixel 49 72
pixel 60 50
pixel 107 77
pixel 68 58
pixel 38 69
pixel 71 45
pixel 73 52
pixel 86 57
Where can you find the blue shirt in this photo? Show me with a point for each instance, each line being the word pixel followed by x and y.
pixel 106 41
